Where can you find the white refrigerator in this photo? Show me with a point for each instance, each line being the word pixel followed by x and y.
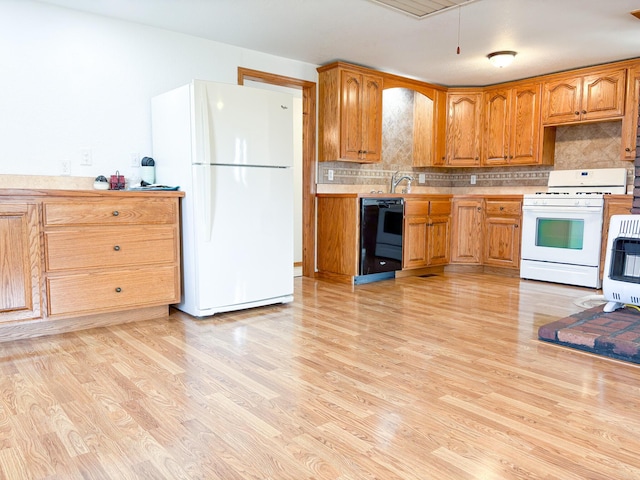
pixel 230 149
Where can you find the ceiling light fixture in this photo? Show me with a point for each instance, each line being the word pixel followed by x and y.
pixel 502 58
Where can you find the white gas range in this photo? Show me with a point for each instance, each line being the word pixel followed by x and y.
pixel 562 227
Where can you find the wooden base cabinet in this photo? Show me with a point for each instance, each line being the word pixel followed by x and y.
pixel 502 232
pixel 613 205
pixel 426 238
pixel 466 230
pixel 486 231
pixel 20 269
pixel 107 258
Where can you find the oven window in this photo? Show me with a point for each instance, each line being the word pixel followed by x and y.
pixel 560 233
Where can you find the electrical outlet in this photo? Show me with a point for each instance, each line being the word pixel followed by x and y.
pixel 474 178
pixel 421 178
pixel 65 167
pixel 134 159
pixel 85 157
pixel 330 175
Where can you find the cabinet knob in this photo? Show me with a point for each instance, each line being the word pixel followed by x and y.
pixel 117 248
pixel 506 156
pixel 116 213
pixel 501 208
pixel 516 225
pixel 627 149
pixel 479 208
pixel 577 112
pixel 118 289
pixel 584 112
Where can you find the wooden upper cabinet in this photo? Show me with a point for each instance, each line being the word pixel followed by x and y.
pixel 464 114
pixel 525 140
pixel 597 96
pixel 512 126
pixel 429 129
pixel 350 115
pixel 631 119
pixel 497 131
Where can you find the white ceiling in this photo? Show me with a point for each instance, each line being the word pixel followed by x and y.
pixel 549 35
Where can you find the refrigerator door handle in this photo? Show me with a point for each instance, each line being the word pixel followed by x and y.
pixel 203 126
pixel 203 185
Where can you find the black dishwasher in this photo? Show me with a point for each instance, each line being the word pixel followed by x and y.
pixel 381 224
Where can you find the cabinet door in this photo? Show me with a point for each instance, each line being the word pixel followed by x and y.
pixel 502 242
pixel 466 231
pixel 371 119
pixel 497 112
pixel 525 125
pixel 561 101
pixel 613 205
pixel 361 117
pixel 631 119
pixel 351 115
pixel 603 95
pixel 463 129
pixel 414 251
pixel 414 239
pixel 438 244
pixel 20 253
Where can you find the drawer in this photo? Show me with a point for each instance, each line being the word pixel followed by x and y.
pixel 116 211
pixel 507 207
pixel 439 207
pixel 110 291
pixel 416 207
pixel 84 248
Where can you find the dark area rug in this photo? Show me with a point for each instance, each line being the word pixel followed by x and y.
pixel 615 334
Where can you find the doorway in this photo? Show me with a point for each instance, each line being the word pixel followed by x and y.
pixel 308 155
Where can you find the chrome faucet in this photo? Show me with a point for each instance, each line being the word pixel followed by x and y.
pixel 395 181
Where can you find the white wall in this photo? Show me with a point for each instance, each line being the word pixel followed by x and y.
pixel 71 81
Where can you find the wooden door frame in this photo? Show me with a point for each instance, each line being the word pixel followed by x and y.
pixel 308 157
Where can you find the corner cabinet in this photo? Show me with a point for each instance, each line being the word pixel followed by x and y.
pixel 466 230
pixel 464 129
pixel 350 114
pixel 426 238
pixel 599 95
pixel 20 272
pixel 82 259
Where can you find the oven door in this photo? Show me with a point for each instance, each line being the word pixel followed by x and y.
pixel 569 235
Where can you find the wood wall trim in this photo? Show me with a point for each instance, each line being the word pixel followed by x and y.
pixel 308 156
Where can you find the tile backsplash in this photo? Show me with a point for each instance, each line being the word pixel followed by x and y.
pixel 592 145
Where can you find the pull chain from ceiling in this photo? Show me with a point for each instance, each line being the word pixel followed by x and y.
pixel 459 10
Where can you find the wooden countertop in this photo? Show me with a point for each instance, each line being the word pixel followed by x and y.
pixel 27 192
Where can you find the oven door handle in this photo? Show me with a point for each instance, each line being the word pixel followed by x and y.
pixel 559 210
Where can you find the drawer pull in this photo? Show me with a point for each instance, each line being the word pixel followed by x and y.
pixel 118 289
pixel 117 248
pixel 116 213
pixel 501 208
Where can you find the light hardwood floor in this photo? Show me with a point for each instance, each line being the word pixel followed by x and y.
pixel 437 377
